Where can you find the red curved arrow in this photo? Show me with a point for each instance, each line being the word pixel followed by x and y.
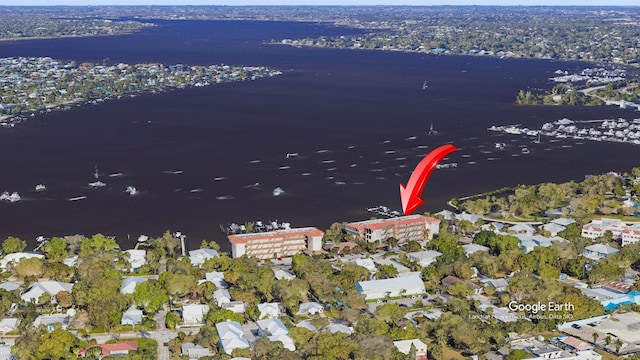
pixel 410 194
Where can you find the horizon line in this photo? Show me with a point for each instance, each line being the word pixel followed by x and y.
pixel 327 5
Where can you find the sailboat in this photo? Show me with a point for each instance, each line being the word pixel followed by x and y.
pixel 537 141
pixel 432 131
pixel 97 184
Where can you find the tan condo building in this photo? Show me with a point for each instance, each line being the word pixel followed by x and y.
pixel 403 228
pixel 277 244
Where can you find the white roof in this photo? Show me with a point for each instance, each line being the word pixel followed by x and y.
pixel 401 268
pixel 602 248
pixel 404 346
pixel 16 257
pixel 272 327
pixel 51 319
pixel 367 264
pixel 522 227
pixel 137 258
pixel 47 286
pixel 9 285
pixel 307 325
pixel 471 248
pixel 446 214
pixel 427 255
pixel 269 309
pixel 282 274
pixel 199 256
pixel 229 329
pixel 286 340
pixel 563 221
pixel 553 227
pixel 234 343
pixel 409 282
pixel 5 353
pixel 132 316
pixel 129 284
pixel 472 218
pixel 334 328
pixel 8 324
pixel 307 307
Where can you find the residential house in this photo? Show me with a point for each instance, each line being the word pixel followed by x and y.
pixel 129 284
pixel 498 285
pixel 307 325
pixel 283 274
pixel 49 321
pixel 610 304
pixel 136 258
pixel 404 346
pixel 5 353
pixel 424 258
pixel 451 280
pixel 10 286
pixel 522 229
pixel 553 228
pixel 269 310
pixel 133 316
pixel 492 226
pixel 399 267
pixel 599 251
pixel 401 286
pixel 334 328
pixel 217 278
pixel 193 351
pixel 33 292
pixel 199 256
pixel 270 327
pixel 367 263
pixel 8 325
pixel 501 314
pixel 445 214
pixel 310 308
pixel 231 336
pixel 14 258
pixel 529 242
pixel 465 216
pixel 222 296
pixel 118 348
pixel 235 306
pixel 193 314
pixel 473 248
pixel 563 221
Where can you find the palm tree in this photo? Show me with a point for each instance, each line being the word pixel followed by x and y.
pixel 595 337
pixel 618 344
pixel 607 340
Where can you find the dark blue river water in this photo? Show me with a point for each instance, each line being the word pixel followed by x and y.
pixel 358 119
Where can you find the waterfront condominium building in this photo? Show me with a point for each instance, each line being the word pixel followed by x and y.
pixel 403 228
pixel 278 243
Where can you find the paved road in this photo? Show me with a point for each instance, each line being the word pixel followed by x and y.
pixel 163 335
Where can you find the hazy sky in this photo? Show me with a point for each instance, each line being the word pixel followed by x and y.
pixel 322 2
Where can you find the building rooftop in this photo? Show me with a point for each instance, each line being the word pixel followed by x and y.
pixel 377 224
pixel 393 283
pixel 245 238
